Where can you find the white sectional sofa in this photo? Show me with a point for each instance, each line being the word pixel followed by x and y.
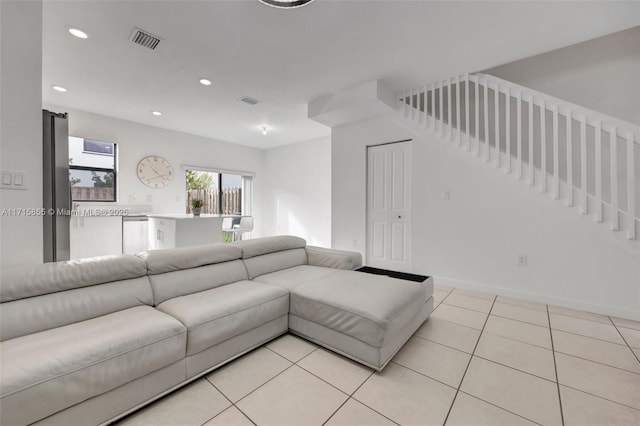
pixel 87 341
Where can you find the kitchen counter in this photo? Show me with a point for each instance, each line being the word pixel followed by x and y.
pixel 182 230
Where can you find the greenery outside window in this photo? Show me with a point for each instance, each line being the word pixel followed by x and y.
pixel 221 193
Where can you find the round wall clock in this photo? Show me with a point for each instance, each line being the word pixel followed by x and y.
pixel 154 171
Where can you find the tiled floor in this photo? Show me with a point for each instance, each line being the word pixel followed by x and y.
pixel 478 360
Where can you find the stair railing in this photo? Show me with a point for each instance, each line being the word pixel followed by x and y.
pixel 579 155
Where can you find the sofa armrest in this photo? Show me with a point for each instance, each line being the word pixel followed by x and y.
pixel 330 258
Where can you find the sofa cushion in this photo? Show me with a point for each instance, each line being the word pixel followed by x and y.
pixel 292 277
pixel 215 315
pixel 331 258
pixel 176 259
pixel 28 281
pixel 367 307
pixel 273 262
pixel 46 372
pixel 35 314
pixel 261 246
pixel 194 280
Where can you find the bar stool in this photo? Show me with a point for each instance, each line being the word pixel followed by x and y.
pixel 245 225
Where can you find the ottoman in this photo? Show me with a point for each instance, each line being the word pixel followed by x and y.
pixel 365 317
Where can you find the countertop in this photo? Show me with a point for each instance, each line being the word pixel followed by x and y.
pixel 187 216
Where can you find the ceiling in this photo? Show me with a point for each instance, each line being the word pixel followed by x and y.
pixel 286 58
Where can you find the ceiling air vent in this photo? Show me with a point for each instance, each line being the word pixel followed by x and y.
pixel 248 100
pixel 144 39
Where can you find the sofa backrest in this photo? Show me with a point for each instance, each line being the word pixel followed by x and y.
pixel 265 255
pixel 41 297
pixel 186 270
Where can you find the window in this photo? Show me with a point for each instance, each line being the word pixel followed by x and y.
pixel 221 193
pixel 92 170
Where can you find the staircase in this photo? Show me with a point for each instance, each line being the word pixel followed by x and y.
pixel 583 158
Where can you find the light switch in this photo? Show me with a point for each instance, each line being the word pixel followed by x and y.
pixel 13 179
pixel 7 178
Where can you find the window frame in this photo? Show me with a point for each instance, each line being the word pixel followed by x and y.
pixel 100 169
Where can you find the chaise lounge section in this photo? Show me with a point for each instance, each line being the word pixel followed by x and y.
pixel 94 339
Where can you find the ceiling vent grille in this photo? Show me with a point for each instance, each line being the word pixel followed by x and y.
pixel 249 100
pixel 144 39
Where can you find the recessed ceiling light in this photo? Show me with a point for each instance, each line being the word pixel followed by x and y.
pixel 78 33
pixel 59 89
pixel 156 113
pixel 205 82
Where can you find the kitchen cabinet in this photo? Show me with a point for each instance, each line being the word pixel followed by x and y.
pixel 95 236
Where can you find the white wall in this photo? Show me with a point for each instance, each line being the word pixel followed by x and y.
pixel 135 141
pixel 297 194
pixel 600 74
pixel 21 127
pixel 491 220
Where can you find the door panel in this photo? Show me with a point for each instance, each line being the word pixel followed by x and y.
pixel 377 240
pixel 389 206
pixel 398 238
pixel 397 172
pixel 379 171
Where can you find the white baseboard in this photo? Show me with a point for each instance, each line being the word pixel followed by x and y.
pixel 614 311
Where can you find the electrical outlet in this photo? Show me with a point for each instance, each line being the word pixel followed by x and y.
pixel 446 195
pixel 355 243
pixel 522 261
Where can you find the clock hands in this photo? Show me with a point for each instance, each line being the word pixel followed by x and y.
pixel 154 170
pixel 159 176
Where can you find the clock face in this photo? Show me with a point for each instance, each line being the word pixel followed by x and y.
pixel 154 171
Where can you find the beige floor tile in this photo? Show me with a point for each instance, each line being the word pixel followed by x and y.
pixel 192 405
pixel 341 372
pixel 468 302
pixel 449 334
pixel 520 313
pixel 520 331
pixel 524 303
pixel 588 328
pixel 434 360
pixel 595 350
pixel 631 336
pixel 406 397
pixel 460 316
pixel 636 351
pixel 292 347
pixel 581 409
pixel 521 393
pixel 229 417
pixel 353 413
pixel 601 380
pixel 579 314
pixel 477 294
pixel 468 411
pixel 245 374
pixel 620 322
pixel 294 398
pixel 439 295
pixel 522 356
